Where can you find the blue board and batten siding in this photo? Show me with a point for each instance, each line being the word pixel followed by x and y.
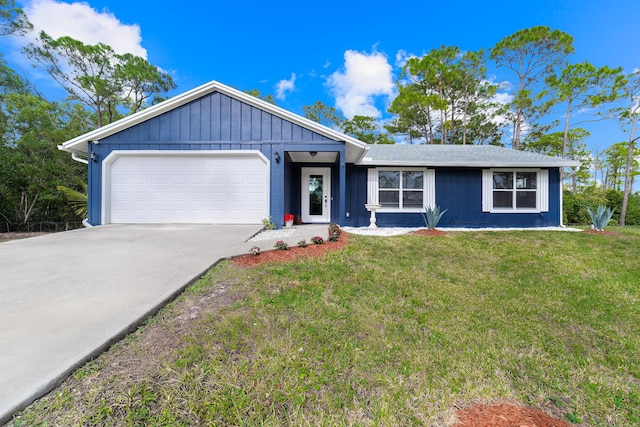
pixel 459 190
pixel 213 122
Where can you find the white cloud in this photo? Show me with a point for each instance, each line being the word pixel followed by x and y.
pixel 365 77
pixel 402 56
pixel 81 22
pixel 284 86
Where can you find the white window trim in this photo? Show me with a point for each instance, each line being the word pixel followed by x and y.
pixel 542 192
pixel 428 189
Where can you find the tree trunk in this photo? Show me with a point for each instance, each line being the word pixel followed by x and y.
pixel 627 176
pixel 28 207
pixel 515 142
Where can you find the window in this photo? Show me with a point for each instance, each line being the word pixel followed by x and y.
pixel 519 190
pixel 407 190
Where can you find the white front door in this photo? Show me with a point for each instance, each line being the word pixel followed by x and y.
pixel 316 195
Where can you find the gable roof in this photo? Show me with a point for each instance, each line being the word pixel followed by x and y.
pixel 79 144
pixel 458 156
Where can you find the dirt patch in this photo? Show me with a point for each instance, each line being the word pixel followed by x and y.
pixel 5 237
pixel 426 232
pixel 506 415
pixel 311 251
pixel 603 233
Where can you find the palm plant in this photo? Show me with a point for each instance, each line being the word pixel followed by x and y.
pixel 77 199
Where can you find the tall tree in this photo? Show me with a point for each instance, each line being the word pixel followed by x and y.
pixel 98 77
pixel 628 117
pixel 255 92
pixel 582 86
pixel 444 97
pixel 13 19
pixel 366 129
pixel 531 54
pixel 140 81
pixel 324 114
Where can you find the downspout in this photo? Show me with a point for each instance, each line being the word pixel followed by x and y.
pixel 75 157
pixel 561 202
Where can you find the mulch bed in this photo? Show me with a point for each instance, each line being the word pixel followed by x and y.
pixel 425 232
pixel 311 251
pixel 506 415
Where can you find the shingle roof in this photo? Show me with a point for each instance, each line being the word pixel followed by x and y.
pixel 458 155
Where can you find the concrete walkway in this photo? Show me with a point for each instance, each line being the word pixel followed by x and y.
pixel 66 297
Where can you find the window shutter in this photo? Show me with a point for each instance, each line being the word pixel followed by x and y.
pixel 430 188
pixel 543 190
pixel 372 186
pixel 487 188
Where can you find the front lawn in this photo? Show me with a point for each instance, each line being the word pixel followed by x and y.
pixel 387 331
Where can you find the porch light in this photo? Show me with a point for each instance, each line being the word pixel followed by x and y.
pixel 313 153
pixel 276 157
pixel 93 157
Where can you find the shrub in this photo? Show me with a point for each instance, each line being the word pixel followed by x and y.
pixel 281 246
pixel 268 223
pixel 302 243
pixel 334 232
pixel 317 240
pixel 574 206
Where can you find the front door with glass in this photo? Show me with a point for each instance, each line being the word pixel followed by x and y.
pixel 316 195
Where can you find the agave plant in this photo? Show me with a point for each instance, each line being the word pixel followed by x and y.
pixel 432 216
pixel 600 217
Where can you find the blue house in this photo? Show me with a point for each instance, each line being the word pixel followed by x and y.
pixel 215 155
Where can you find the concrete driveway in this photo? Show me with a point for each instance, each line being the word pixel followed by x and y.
pixel 66 297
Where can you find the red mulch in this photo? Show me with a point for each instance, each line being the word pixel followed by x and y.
pixel 294 252
pixel 425 232
pixel 602 233
pixel 506 415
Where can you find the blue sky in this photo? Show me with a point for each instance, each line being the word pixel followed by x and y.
pixel 346 54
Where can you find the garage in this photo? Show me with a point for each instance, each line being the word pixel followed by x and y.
pixel 194 187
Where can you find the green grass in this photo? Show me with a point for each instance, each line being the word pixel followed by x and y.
pixel 387 331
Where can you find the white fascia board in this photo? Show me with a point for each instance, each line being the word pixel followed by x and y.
pixel 79 143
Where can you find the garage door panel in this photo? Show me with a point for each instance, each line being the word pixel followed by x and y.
pixel 157 188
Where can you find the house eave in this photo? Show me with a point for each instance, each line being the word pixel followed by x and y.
pixel 471 164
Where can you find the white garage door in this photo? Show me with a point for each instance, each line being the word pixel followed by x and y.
pixel 204 187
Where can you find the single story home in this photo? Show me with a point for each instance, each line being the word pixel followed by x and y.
pixel 216 155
